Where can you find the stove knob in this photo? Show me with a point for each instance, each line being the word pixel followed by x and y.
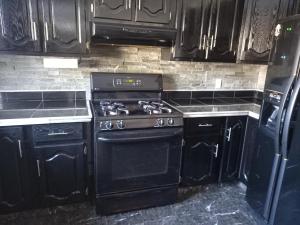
pixel 109 125
pixel 171 122
pixel 160 122
pixel 120 124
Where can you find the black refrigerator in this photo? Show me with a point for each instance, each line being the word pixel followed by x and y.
pixel 274 181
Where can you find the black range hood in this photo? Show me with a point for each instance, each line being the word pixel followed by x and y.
pixel 130 34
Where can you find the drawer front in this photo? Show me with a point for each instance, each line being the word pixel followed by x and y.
pixel 203 126
pixel 57 132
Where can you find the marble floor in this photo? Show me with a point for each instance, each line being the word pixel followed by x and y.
pixel 203 205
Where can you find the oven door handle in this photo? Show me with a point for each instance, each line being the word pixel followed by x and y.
pixel 126 139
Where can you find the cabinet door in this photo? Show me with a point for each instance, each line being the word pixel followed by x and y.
pixel 191 40
pixel 233 146
pixel 12 170
pixel 224 28
pixel 61 169
pixel 64 26
pixel 156 11
pixel 113 9
pixel 289 8
pixel 200 160
pixel 259 20
pixel 18 26
pixel 248 149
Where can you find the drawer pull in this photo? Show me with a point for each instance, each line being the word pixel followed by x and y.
pixel 38 167
pixel 205 125
pixel 58 134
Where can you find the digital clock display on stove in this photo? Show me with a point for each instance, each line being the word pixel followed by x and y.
pixel 127 82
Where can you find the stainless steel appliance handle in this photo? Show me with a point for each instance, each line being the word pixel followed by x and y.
pixel 133 139
pixel 287 120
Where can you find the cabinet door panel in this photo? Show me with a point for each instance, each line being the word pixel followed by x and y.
pixel 113 9
pixel 155 11
pixel 62 172
pixel 260 18
pixel 18 26
pixel 191 40
pixel 200 160
pixel 233 146
pixel 63 26
pixel 224 29
pixel 12 170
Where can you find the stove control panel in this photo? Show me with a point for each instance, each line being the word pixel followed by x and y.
pixel 139 123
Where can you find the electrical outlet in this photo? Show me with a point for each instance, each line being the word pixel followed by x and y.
pixel 218 83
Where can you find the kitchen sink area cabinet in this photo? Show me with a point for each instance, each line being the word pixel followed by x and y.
pixel 14 191
pixel 209 31
pixel 19 26
pixel 201 151
pixel 259 21
pixel 232 148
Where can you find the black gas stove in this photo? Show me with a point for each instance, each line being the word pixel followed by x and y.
pixel 137 142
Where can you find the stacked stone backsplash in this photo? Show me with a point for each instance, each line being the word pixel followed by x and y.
pixel 28 73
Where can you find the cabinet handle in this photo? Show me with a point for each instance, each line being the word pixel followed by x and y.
pixel 46 31
pixel 204 42
pixel 228 137
pixel 211 42
pixel 34 31
pixel 38 167
pixel 92 7
pixel 140 5
pixel 216 150
pixel 85 150
pixel 58 134
pixel 20 148
pixel 205 125
pixel 129 4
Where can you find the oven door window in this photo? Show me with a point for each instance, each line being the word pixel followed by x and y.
pixel 133 160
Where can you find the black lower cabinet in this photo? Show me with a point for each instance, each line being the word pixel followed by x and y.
pixel 201 160
pixel 232 148
pixel 13 170
pixel 61 169
pixel 248 149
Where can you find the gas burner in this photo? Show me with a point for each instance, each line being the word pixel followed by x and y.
pixel 113 108
pixel 154 107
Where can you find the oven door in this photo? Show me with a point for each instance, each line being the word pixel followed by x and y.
pixel 138 159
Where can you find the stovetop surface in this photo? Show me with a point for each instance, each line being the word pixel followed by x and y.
pixel 133 109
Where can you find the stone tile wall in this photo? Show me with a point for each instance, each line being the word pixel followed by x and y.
pixel 28 73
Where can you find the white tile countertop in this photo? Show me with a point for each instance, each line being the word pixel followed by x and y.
pixel 252 110
pixel 40 112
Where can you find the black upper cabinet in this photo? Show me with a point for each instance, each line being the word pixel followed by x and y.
pixel 63 26
pixel 113 9
pixel 155 11
pixel 19 26
pixel 61 168
pixel 209 30
pixel 289 8
pixel 233 147
pixel 13 170
pixel 259 21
